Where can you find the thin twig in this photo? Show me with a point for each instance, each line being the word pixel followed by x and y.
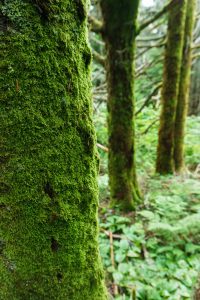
pixel 112 257
pixel 102 147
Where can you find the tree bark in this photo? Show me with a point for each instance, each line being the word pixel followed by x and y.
pixel 171 77
pixel 120 29
pixel 182 105
pixel 49 198
pixel 194 102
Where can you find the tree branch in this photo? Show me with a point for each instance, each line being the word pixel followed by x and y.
pixel 102 147
pixel 149 127
pixel 142 69
pixel 155 17
pixel 195 56
pixel 95 25
pixel 99 58
pixel 146 102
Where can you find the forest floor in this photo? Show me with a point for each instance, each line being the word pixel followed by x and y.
pixel 153 253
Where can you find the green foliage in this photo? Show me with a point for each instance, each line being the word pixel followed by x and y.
pixel 156 250
pixel 159 254
pixel 193 142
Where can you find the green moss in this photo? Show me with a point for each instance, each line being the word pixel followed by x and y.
pixel 120 24
pixel 48 210
pixel 171 78
pixel 182 105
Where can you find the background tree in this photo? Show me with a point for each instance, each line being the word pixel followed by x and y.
pixel 119 32
pixel 164 231
pixel 194 99
pixel 48 209
pixel 170 88
pixel 184 86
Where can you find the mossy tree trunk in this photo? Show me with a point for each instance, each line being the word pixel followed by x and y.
pixel 119 32
pixel 182 105
pixel 194 101
pixel 48 208
pixel 171 77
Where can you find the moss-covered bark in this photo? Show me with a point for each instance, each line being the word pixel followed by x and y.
pixel 120 26
pixel 171 77
pixel 48 208
pixel 194 101
pixel 194 98
pixel 182 105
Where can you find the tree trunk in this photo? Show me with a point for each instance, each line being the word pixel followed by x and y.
pixel 194 101
pixel 171 77
pixel 120 25
pixel 182 105
pixel 48 208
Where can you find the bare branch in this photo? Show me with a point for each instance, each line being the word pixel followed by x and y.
pixel 95 25
pixel 158 45
pixel 194 47
pixel 99 58
pixel 149 127
pixel 146 102
pixel 195 56
pixel 102 147
pixel 141 70
pixel 149 39
pixel 155 17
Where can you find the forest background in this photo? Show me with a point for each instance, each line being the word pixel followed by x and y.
pixel 151 253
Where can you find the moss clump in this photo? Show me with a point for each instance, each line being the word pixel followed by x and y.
pixel 120 29
pixel 48 208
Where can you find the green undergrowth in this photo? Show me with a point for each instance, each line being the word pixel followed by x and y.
pixel 157 248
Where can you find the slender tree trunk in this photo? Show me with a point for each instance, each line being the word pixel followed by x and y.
pixel 48 208
pixel 194 102
pixel 182 105
pixel 120 25
pixel 171 77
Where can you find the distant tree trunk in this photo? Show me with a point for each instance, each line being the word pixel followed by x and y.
pixel 183 95
pixel 48 208
pixel 194 102
pixel 171 77
pixel 120 25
